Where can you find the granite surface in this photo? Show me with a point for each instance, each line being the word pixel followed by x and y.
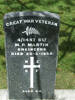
pixel 31 54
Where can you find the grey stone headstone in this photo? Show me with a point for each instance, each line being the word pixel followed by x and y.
pixel 31 54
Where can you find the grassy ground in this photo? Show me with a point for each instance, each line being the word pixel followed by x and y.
pixel 65 76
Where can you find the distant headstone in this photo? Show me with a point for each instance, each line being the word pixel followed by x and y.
pixel 31 54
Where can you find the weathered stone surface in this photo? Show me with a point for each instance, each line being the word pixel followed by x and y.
pixel 31 54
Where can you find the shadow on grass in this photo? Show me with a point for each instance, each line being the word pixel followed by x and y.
pixel 69 2
pixel 2 58
pixel 73 68
pixel 67 45
pixel 2 52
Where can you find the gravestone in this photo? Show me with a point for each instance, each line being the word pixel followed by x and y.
pixel 31 54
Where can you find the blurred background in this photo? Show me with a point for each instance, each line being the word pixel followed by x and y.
pixel 65 75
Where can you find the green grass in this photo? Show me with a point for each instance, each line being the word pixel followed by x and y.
pixel 3 79
pixel 65 76
pixel 65 80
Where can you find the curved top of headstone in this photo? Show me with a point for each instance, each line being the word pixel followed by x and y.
pixel 31 13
